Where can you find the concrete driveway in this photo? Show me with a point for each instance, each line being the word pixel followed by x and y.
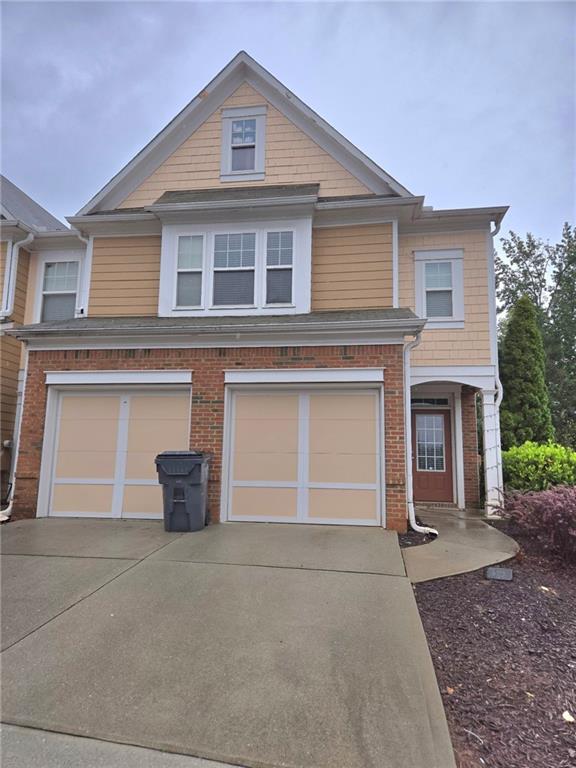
pixel 251 644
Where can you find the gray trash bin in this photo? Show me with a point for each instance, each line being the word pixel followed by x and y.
pixel 184 479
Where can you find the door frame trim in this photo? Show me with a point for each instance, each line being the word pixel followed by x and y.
pixel 228 441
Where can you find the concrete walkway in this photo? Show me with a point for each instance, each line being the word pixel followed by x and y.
pixel 464 543
pixel 273 646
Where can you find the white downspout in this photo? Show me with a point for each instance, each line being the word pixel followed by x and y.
pixel 408 440
pixel 6 313
pixel 12 273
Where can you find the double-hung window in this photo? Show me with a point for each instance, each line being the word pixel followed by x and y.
pixel 279 256
pixel 250 268
pixel 439 288
pixel 59 291
pixel 243 143
pixel 234 269
pixel 189 271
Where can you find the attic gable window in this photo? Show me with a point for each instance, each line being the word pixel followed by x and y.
pixel 243 143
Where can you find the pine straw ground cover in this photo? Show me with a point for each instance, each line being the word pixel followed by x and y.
pixel 505 658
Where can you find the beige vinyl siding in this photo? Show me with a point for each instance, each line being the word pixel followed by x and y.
pixel 352 267
pixel 291 158
pixel 125 276
pixel 466 346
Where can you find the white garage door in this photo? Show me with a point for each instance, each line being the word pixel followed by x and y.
pixel 305 456
pixel 104 449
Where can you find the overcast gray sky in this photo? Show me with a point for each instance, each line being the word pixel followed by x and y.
pixel 468 103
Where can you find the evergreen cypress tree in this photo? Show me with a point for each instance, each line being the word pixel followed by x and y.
pixel 525 411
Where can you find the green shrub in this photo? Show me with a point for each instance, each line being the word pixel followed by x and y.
pixel 533 467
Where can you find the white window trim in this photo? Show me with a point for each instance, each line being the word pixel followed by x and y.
pixel 51 257
pixel 301 268
pixel 242 113
pixel 118 377
pixel 456 259
pixel 306 376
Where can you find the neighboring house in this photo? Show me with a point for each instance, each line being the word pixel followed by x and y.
pixel 29 237
pixel 256 287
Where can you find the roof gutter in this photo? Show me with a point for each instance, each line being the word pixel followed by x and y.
pixel 407 325
pixel 9 291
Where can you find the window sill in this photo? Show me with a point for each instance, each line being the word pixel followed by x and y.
pixel 242 176
pixel 446 324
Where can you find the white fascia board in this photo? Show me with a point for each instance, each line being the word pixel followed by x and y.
pixel 124 225
pixel 306 376
pixel 214 341
pixel 479 376
pixel 262 202
pixel 118 377
pixel 241 69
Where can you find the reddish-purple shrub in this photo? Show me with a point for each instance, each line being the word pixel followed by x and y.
pixel 549 515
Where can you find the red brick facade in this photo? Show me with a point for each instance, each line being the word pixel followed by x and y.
pixel 208 366
pixel 470 441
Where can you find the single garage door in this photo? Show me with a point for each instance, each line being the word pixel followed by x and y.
pixel 305 457
pixel 104 449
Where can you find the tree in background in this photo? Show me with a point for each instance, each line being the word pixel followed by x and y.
pixel 560 338
pixel 525 410
pixel 547 275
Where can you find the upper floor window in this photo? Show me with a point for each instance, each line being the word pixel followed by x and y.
pixel 261 268
pixel 59 290
pixel 439 287
pixel 243 143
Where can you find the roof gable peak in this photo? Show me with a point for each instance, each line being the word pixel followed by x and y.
pixel 242 68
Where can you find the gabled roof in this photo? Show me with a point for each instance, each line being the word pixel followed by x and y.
pixel 15 205
pixel 242 68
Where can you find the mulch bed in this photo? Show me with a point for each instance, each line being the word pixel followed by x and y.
pixel 505 658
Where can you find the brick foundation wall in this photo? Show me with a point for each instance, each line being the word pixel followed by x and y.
pixel 208 366
pixel 470 441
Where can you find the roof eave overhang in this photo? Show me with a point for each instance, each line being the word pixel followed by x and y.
pixel 13 229
pixel 456 219
pixel 276 334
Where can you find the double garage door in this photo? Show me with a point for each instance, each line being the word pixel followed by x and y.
pixel 305 457
pixel 289 456
pixel 104 450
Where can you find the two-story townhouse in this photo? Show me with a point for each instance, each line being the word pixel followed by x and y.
pixel 254 286
pixel 30 236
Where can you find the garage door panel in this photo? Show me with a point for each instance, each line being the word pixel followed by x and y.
pixel 142 501
pixel 343 406
pixel 86 464
pixel 157 435
pixel 87 434
pixel 343 504
pixel 140 465
pixel 266 406
pixel 160 407
pixel 343 468
pixel 82 499
pixel 89 407
pixel 266 435
pixel 336 435
pixel 265 502
pixel 266 466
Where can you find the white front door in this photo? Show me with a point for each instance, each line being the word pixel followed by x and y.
pixel 305 456
pixel 105 443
